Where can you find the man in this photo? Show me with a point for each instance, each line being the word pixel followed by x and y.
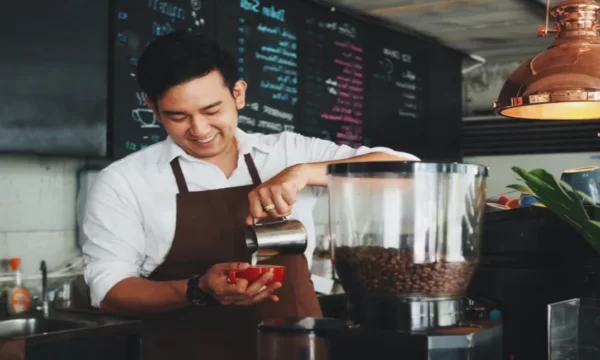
pixel 164 225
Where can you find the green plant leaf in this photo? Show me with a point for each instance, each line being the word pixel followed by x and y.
pixel 539 187
pixel 522 188
pixel 595 213
pixel 550 180
pixel 586 198
pixel 545 177
pixel 553 196
pixel 560 198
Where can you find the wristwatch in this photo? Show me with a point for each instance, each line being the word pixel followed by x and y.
pixel 195 295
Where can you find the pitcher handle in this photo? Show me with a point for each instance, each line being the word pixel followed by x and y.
pixel 274 221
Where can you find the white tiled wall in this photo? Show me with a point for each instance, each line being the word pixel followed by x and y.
pixel 37 210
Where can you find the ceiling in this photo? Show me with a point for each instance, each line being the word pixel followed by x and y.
pixel 499 31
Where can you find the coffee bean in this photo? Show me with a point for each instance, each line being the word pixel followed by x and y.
pixel 364 269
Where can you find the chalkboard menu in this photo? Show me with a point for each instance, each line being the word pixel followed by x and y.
pixel 136 23
pixel 396 88
pixel 333 77
pixel 397 77
pixel 264 38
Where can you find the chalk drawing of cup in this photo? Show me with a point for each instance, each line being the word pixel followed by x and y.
pixel 196 4
pixel 145 117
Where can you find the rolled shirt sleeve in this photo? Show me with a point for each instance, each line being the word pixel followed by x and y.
pixel 114 243
pixel 319 150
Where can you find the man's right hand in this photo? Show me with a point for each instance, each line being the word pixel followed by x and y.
pixel 216 282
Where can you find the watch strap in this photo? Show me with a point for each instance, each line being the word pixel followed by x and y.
pixel 195 295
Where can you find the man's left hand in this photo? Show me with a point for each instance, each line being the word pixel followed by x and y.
pixel 275 197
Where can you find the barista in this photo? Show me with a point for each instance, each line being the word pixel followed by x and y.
pixel 164 225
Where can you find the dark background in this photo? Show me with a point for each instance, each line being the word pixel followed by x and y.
pixel 53 77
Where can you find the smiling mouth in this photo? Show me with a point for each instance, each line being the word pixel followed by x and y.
pixel 206 140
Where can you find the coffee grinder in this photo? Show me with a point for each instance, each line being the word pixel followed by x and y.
pixel 405 243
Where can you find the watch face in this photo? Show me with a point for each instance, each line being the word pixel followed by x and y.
pixel 200 298
pixel 195 295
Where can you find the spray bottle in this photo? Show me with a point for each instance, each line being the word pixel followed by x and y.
pixel 18 297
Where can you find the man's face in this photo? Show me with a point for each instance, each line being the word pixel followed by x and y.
pixel 201 115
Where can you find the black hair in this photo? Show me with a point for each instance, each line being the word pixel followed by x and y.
pixel 181 56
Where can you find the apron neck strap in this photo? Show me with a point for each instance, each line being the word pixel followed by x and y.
pixel 179 178
pixel 252 170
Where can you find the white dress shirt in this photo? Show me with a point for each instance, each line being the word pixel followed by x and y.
pixel 129 219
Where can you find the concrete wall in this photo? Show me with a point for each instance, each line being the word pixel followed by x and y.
pixel 482 85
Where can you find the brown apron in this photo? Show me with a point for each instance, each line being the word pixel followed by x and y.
pixel 210 229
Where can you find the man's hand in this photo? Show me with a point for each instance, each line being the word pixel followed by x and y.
pixel 275 197
pixel 216 283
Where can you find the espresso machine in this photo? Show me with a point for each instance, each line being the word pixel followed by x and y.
pixel 405 244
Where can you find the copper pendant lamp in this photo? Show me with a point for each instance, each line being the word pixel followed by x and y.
pixel 563 82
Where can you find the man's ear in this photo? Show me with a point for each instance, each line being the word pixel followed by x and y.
pixel 154 108
pixel 239 94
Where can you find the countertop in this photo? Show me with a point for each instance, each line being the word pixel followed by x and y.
pixel 101 324
pixel 102 336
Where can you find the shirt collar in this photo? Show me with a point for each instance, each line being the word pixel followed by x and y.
pixel 246 143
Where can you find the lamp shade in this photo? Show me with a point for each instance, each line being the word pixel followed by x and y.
pixel 563 82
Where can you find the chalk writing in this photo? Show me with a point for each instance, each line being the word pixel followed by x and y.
pixel 162 29
pixel 392 70
pixel 275 50
pixel 270 125
pixel 391 53
pixel 141 98
pixel 250 5
pixel 266 46
pixel 245 120
pixel 348 30
pixel 335 101
pixel 279 69
pixel 196 4
pixel 275 59
pixel 409 75
pixel 278 113
pixel 131 146
pixel 274 13
pixel 349 136
pixel 408 114
pixel 405 85
pixel 167 8
pixel 122 38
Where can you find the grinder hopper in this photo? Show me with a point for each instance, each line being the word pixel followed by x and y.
pixel 406 239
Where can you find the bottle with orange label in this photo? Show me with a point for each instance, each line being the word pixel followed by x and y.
pixel 18 297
